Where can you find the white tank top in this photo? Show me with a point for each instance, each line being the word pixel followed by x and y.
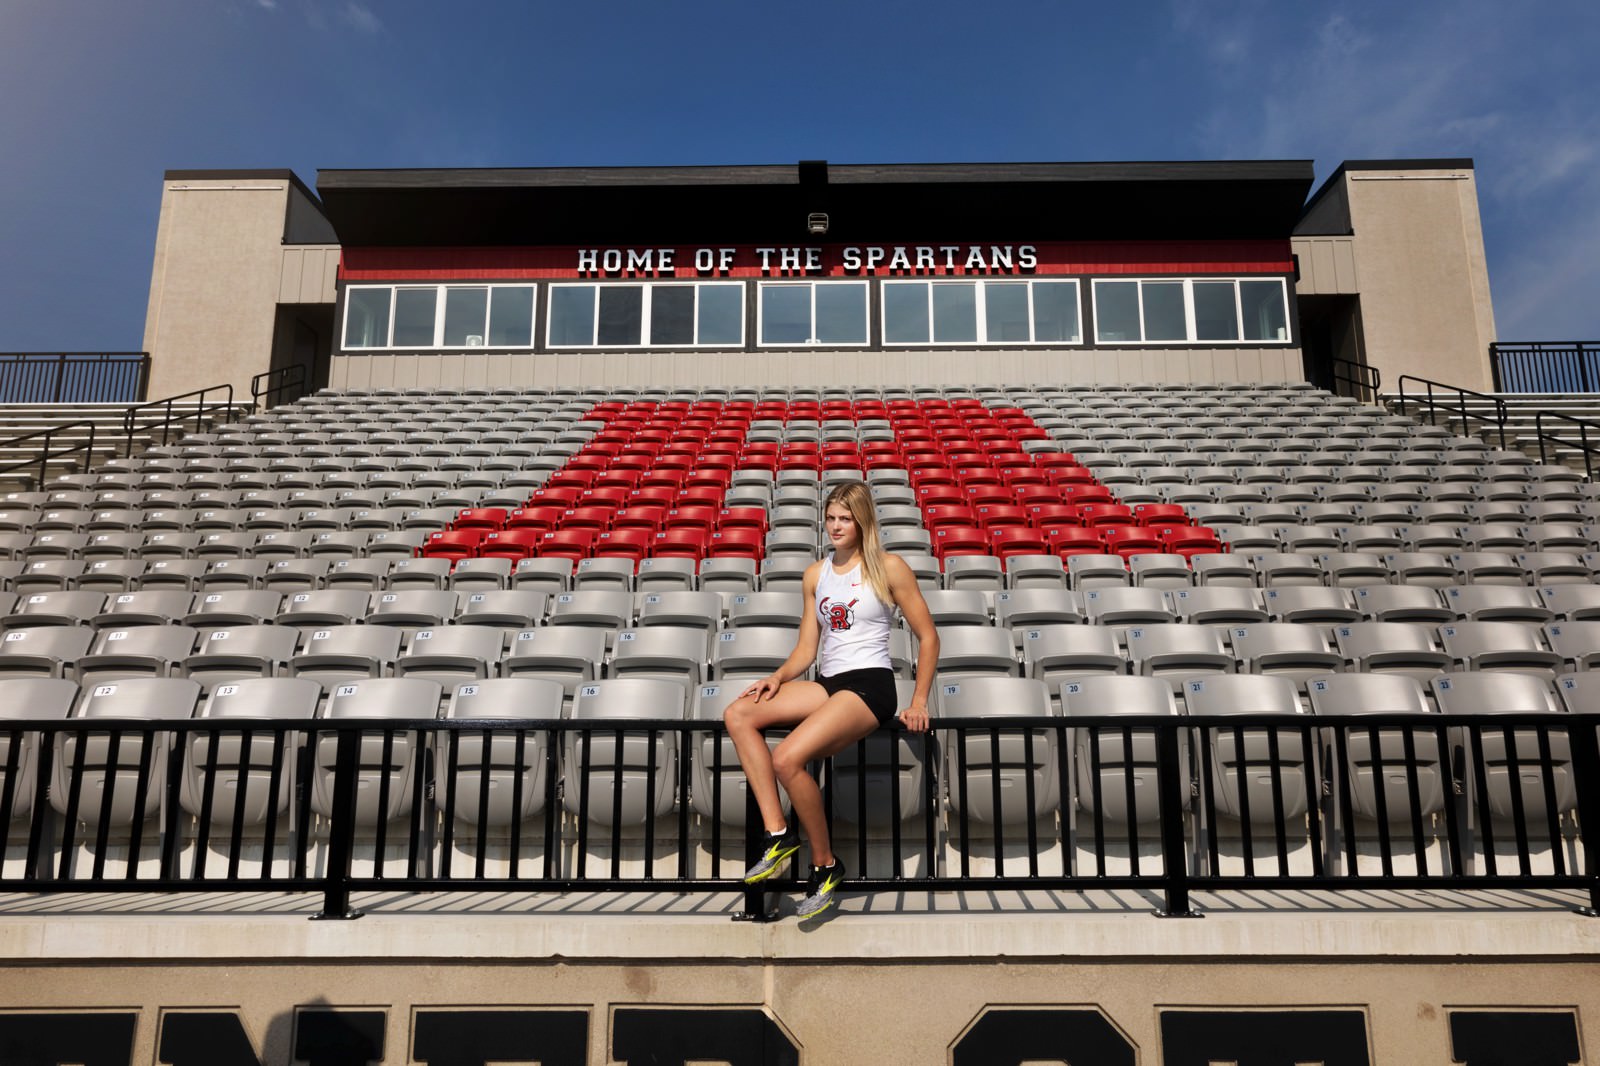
pixel 855 623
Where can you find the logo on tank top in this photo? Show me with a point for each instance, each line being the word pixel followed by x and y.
pixel 840 616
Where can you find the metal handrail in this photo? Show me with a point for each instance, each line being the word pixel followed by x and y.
pixel 1365 382
pixel 439 838
pixel 1433 404
pixel 1545 366
pixel 169 421
pixel 73 377
pixel 1590 451
pixel 46 454
pixel 268 388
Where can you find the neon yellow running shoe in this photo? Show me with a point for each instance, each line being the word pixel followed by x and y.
pixel 779 847
pixel 820 888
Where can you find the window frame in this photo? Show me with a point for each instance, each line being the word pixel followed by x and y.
pixel 645 311
pixel 441 299
pixel 981 312
pixel 812 283
pixel 1190 329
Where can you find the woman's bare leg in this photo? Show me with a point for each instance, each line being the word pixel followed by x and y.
pixel 794 702
pixel 838 723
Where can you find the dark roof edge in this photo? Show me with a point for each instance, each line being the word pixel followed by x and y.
pixel 840 173
pixel 245 175
pixel 1457 163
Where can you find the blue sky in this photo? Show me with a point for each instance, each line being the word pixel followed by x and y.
pixel 100 98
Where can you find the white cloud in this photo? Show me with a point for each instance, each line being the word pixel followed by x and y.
pixel 360 16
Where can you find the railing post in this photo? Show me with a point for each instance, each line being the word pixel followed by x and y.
pixel 1174 852
pixel 1585 734
pixel 341 828
pixel 1495 374
pixel 755 896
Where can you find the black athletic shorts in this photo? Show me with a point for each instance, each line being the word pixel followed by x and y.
pixel 875 686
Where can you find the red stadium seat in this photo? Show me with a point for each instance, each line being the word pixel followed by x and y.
pixel 1188 541
pixel 682 542
pixel 959 540
pixel 948 514
pixel 1065 540
pixel 631 543
pixel 480 518
pixel 452 544
pixel 1007 541
pixel 1160 514
pixel 512 543
pixel 744 542
pixel 567 543
pixel 1131 540
pixel 993 515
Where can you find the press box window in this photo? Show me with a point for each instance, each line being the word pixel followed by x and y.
pixel 366 317
pixel 472 316
pixel 1182 310
pixel 980 312
pixel 813 312
pixel 631 316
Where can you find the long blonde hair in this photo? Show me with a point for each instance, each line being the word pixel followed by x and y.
pixel 855 497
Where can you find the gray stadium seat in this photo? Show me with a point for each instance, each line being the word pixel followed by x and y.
pixel 139 651
pixel 765 609
pixel 235 607
pixel 108 781
pixel 32 699
pixel 1106 763
pixel 451 655
pixel 512 787
pixel 594 758
pixel 242 776
pixel 1218 605
pixel 1243 764
pixel 668 653
pixel 975 650
pixel 1493 603
pixel 1178 651
pixel 43 651
pixel 568 655
pixel 233 653
pixel 1126 607
pixel 1022 765
pixel 340 654
pixel 506 608
pixel 1392 648
pixel 1284 649
pixel 1402 603
pixel 1498 646
pixel 1313 605
pixel 753 651
pixel 395 757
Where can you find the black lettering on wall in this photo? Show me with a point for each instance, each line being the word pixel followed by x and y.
pixel 737 1036
pixel 338 1037
pixel 476 1037
pixel 1006 1036
pixel 53 1039
pixel 1264 1037
pixel 1513 1038
pixel 204 1038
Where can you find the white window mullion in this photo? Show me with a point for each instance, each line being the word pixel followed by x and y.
pixel 980 328
pixel 1189 329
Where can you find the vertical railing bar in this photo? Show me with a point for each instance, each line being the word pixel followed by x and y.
pixel 1380 799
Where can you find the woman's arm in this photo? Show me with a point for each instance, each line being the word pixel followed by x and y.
pixel 805 645
pixel 908 597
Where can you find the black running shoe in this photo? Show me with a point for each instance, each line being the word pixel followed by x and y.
pixel 779 847
pixel 820 889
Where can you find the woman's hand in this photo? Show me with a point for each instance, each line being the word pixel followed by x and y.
pixel 915 719
pixel 766 688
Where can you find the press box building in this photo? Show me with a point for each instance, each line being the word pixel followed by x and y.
pixel 818 273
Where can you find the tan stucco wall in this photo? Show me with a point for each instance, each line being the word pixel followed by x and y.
pixel 215 283
pixel 452 370
pixel 1422 274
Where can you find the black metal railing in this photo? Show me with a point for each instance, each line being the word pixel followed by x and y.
pixel 1471 420
pixel 173 414
pixel 1587 441
pixel 74 377
pixel 283 385
pixel 1559 366
pixel 1170 805
pixel 1357 380
pixel 77 451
